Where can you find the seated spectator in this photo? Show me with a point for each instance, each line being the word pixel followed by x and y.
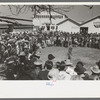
pixel 63 75
pixel 50 59
pixel 80 71
pixel 70 68
pixel 43 74
pixel 53 74
pixel 95 73
pixel 58 65
pixel 98 64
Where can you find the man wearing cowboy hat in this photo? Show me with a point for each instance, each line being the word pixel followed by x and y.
pixel 79 69
pixel 69 67
pixel 95 73
pixel 63 75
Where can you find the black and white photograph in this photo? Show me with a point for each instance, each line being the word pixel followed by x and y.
pixel 49 42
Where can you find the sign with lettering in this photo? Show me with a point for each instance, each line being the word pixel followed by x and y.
pixel 48 16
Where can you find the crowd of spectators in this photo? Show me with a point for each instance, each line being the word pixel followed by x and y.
pixel 20 56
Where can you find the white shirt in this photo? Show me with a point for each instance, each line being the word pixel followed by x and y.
pixel 53 73
pixel 63 76
pixel 71 71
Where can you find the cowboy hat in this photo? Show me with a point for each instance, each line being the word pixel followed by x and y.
pixel 57 64
pixel 88 72
pixel 79 68
pixel 51 57
pixel 95 69
pixel 62 63
pixel 68 62
pixel 38 62
pixel 98 63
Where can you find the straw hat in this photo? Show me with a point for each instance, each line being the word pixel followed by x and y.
pixel 38 62
pixel 95 69
pixel 51 57
pixel 88 72
pixel 68 62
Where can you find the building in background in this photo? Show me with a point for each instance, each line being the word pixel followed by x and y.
pixel 91 26
pixel 43 21
pixel 69 25
pixel 4 26
pixel 10 24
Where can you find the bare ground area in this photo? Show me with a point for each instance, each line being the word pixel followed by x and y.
pixel 87 55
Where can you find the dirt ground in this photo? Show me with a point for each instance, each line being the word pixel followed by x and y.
pixel 87 55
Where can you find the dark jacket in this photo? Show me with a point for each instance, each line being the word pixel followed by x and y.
pixel 43 75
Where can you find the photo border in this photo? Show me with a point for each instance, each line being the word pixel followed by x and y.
pixel 7 1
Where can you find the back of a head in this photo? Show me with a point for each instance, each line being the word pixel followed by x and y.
pixel 79 68
pixel 61 68
pixel 51 57
pixel 48 66
pixel 48 63
pixel 80 63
